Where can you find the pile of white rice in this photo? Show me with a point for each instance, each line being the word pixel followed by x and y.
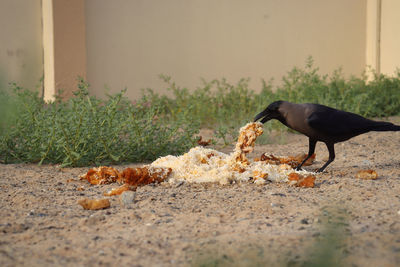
pixel 201 165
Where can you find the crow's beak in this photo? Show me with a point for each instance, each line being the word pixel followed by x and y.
pixel 265 115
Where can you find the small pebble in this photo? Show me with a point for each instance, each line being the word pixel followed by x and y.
pixel 127 198
pixel 366 162
pixel 304 221
pixel 31 213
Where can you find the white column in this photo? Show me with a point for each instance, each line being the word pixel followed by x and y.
pixel 48 50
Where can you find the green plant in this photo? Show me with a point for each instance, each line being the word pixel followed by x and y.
pixel 8 110
pixel 86 130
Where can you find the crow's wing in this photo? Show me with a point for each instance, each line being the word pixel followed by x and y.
pixel 336 122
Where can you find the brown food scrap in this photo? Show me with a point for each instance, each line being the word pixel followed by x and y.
pixel 258 174
pixel 271 159
pixel 294 176
pixel 71 180
pixel 202 142
pixel 246 140
pixel 285 167
pixel 101 175
pixel 144 175
pixel 308 181
pixel 80 188
pixel 301 181
pixel 293 161
pixel 94 204
pixel 119 190
pixel 205 160
pixel 308 162
pixel 367 174
pixel 238 168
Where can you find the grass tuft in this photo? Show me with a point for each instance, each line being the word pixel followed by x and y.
pixel 89 131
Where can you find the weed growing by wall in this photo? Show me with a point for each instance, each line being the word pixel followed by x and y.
pixel 89 131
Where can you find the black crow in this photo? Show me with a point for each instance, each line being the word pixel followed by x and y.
pixel 322 123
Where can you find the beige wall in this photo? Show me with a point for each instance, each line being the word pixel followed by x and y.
pixel 128 43
pixel 69 43
pixel 64 43
pixel 390 36
pixel 21 52
pixel 372 45
pixel 131 42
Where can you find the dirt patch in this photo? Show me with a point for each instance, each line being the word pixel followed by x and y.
pixel 41 222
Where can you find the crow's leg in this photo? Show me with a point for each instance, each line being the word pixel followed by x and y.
pixel 331 149
pixel 311 149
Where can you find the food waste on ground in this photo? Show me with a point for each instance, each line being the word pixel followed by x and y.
pixel 367 174
pixel 200 165
pixel 94 204
pixel 208 165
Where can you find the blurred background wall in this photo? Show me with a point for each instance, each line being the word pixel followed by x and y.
pixel 390 36
pixel 21 51
pixel 128 43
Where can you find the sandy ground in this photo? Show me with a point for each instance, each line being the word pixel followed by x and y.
pixel 354 222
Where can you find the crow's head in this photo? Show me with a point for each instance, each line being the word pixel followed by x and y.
pixel 271 112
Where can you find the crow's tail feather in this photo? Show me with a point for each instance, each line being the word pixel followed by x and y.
pixel 385 126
